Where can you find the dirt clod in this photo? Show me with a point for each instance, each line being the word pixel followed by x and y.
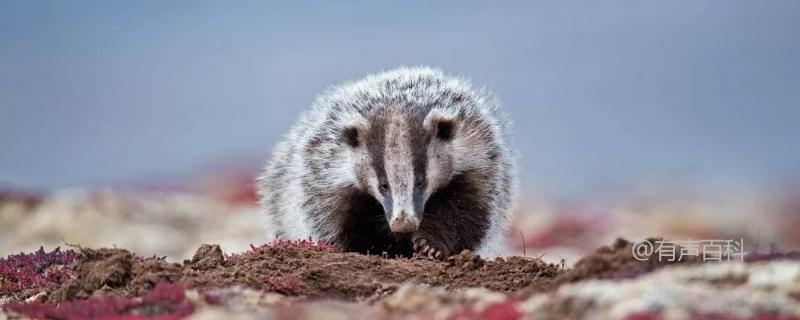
pixel 208 256
pixel 102 269
pixel 467 260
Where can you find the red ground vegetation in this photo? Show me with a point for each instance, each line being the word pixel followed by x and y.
pixel 35 271
pixel 165 301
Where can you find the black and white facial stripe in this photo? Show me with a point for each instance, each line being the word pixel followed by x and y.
pixel 398 144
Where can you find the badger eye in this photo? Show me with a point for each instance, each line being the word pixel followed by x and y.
pixel 350 136
pixel 419 185
pixel 444 130
pixel 383 187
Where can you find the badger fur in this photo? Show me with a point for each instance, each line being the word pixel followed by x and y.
pixel 402 162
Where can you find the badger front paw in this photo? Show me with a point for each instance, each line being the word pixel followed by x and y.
pixel 426 246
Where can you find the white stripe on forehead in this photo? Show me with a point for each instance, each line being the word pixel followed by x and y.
pixel 398 153
pixel 399 163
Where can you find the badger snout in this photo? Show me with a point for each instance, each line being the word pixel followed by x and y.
pixel 404 222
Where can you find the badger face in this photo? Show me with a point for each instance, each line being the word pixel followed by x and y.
pixel 402 156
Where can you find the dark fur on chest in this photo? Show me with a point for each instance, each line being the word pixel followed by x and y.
pixel 456 216
pixel 365 230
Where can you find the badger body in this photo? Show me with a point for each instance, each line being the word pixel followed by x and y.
pixel 402 162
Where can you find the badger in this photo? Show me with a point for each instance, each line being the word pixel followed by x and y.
pixel 409 162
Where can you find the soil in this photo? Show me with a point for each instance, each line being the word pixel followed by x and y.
pixel 615 261
pixel 113 281
pixel 618 262
pixel 314 271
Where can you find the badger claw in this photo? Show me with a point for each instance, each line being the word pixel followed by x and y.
pixel 428 249
pixel 419 244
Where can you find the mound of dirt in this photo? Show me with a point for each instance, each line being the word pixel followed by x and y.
pixel 618 262
pixel 296 268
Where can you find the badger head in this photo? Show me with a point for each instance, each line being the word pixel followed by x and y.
pixel 403 154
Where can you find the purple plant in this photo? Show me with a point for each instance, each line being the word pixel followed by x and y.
pixel 38 270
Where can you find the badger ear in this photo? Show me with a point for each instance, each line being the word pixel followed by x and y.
pixel 445 130
pixel 350 136
pixel 442 123
pixel 352 128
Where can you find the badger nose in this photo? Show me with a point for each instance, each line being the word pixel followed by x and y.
pixel 404 223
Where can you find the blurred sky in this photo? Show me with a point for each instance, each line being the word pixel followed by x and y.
pixel 601 92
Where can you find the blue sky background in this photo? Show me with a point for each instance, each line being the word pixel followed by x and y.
pixel 602 93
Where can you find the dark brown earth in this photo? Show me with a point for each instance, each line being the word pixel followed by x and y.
pixel 618 262
pixel 315 271
pixel 615 261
